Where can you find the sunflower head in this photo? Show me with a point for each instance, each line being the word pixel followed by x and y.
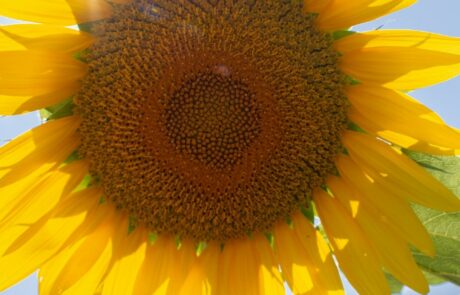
pixel 219 126
pixel 189 145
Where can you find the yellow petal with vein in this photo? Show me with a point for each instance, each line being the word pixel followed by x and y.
pixel 398 212
pixel 341 14
pixel 59 12
pixel 270 280
pixel 397 63
pixel 305 259
pixel 202 276
pixel 43 37
pixel 165 268
pixel 355 255
pixel 43 197
pixel 35 73
pixel 25 160
pixel 127 261
pixel 45 238
pixel 391 249
pixel 322 267
pixel 36 152
pixel 40 139
pixel 161 261
pixel 85 269
pixel 238 269
pixel 399 38
pixel 14 105
pixel 380 110
pixel 49 272
pixel 402 175
pixel 9 235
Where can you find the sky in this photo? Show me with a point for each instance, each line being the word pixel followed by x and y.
pixel 439 16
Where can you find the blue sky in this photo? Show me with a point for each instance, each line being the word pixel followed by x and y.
pixel 440 16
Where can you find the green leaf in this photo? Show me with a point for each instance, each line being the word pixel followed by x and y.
pixel 395 285
pixel 444 228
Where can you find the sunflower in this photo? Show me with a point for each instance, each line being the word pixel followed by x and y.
pixel 188 146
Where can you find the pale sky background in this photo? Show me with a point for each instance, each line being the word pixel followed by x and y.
pixel 439 16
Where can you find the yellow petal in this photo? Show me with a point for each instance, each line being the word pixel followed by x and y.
pixel 127 261
pixel 157 270
pixel 11 234
pixel 45 238
pixel 238 269
pixel 13 105
pixel 49 272
pixel 308 263
pixel 59 12
pixel 341 14
pixel 315 6
pixel 183 262
pixel 37 151
pixel 390 248
pixel 398 64
pixel 43 197
pixel 322 266
pixel 399 38
pixel 165 268
pixel 25 160
pixel 83 272
pixel 398 212
pixel 270 280
pixel 380 111
pixel 80 268
pixel 43 37
pixel 40 139
pixel 355 255
pixel 401 175
pixel 202 275
pixel 35 73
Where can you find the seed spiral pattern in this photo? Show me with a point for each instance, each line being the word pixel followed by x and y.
pixel 210 120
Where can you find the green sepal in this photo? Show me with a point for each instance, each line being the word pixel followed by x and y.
pixel 200 247
pixel 132 224
pixel 74 156
pixel 81 55
pixel 289 222
pixel 355 127
pixel 351 81
pixel 61 110
pixel 178 242
pixel 271 239
pixel 86 27
pixel 86 182
pixel 152 238
pixel 341 34
pixel 309 213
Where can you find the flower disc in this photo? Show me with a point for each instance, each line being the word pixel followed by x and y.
pixel 211 119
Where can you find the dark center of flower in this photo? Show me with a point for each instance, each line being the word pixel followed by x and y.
pixel 211 119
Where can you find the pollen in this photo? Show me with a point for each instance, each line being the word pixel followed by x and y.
pixel 211 120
